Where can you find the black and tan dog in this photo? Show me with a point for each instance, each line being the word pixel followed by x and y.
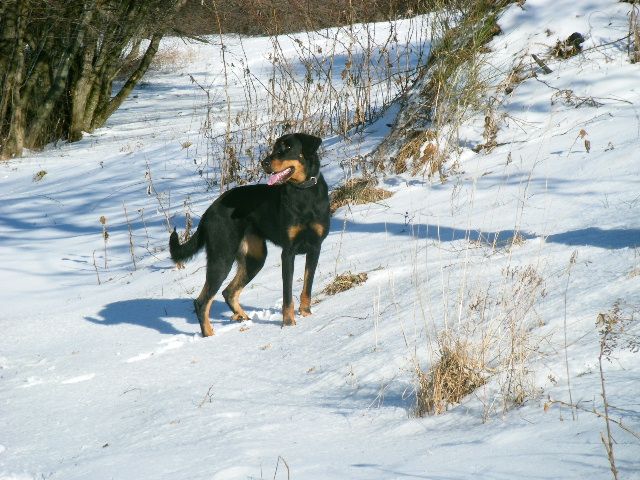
pixel 292 211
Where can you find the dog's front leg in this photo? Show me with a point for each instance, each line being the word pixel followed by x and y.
pixel 288 315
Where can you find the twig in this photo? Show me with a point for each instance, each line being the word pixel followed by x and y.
pixel 541 64
pixel 572 262
pixel 207 396
pixel 285 464
pixel 607 43
pixel 597 414
pixel 608 441
pixel 96 267
pixel 152 189
pixel 133 257
pixel 105 236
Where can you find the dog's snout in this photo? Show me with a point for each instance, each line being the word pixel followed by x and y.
pixel 266 163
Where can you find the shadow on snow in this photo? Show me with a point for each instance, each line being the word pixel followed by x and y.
pixel 612 239
pixel 157 314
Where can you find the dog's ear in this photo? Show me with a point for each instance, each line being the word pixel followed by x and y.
pixel 310 144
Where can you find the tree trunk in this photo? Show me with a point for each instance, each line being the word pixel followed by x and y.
pixel 12 102
pixel 81 92
pixel 104 113
pixel 37 131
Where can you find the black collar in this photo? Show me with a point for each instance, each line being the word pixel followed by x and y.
pixel 306 184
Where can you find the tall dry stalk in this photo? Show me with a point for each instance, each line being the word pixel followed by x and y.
pixel 326 82
pixel 572 262
pixel 634 34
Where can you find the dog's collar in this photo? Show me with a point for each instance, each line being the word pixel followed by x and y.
pixel 306 184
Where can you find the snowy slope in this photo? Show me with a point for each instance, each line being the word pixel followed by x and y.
pixel 113 380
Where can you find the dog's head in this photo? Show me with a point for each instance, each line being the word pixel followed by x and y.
pixel 294 159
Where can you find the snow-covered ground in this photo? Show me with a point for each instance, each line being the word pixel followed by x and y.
pixel 103 372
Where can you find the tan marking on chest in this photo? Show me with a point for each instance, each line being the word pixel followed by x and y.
pixel 318 228
pixel 294 231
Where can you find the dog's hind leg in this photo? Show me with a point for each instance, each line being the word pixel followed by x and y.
pixel 217 271
pixel 202 305
pixel 250 260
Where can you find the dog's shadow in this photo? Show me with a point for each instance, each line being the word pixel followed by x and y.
pixel 163 315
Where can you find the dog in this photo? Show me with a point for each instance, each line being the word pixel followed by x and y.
pixel 290 211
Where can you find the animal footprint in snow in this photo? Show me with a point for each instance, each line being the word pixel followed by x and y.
pixel 165 345
pixel 78 379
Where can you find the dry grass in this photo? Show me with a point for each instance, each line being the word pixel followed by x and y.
pixel 421 151
pixel 172 58
pixel 167 59
pixel 456 374
pixel 493 343
pixel 357 191
pixel 568 48
pixel 345 281
pixel 39 175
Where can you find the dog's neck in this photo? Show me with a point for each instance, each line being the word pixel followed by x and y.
pixel 306 184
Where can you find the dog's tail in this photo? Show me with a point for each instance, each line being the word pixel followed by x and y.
pixel 181 253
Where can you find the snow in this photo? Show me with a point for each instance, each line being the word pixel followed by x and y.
pixel 113 380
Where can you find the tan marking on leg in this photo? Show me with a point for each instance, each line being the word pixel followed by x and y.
pixel 205 323
pixel 305 296
pixel 288 315
pixel 299 172
pixel 293 231
pixel 254 246
pixel 203 305
pixel 318 228
pixel 231 294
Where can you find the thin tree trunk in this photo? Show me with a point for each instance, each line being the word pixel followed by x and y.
pixel 102 115
pixel 101 77
pixel 81 92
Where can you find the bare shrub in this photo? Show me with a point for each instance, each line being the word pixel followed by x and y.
pixel 458 372
pixel 450 86
pixel 327 82
pixel 617 332
pixel 492 344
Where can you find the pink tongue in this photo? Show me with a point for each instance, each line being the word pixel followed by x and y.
pixel 279 177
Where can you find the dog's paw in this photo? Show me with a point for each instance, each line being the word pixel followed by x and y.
pixel 240 317
pixel 305 312
pixel 288 322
